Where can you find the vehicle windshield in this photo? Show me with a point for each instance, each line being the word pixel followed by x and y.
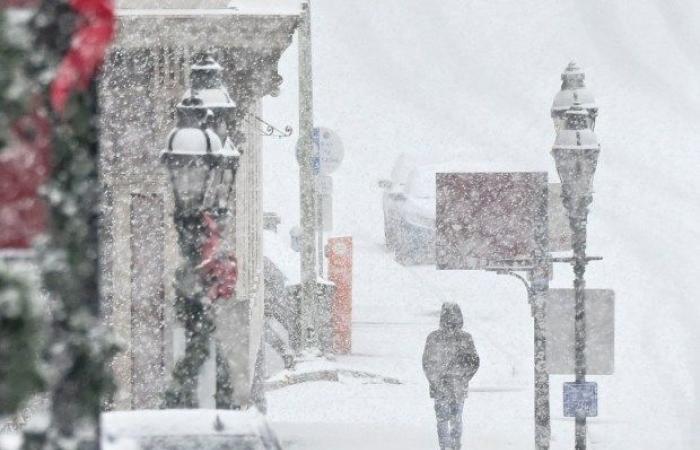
pixel 421 184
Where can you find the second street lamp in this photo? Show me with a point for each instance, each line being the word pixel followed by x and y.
pixel 575 153
pixel 202 169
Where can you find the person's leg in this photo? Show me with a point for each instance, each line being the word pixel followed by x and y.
pixel 442 413
pixel 456 408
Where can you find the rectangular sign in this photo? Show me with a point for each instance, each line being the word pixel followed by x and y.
pixel 581 399
pixel 600 331
pixel 488 220
pixel 559 229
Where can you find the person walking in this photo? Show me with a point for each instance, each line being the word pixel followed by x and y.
pixel 450 361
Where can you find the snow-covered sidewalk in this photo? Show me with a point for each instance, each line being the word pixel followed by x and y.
pixel 392 317
pixel 395 308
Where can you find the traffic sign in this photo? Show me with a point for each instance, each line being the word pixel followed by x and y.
pixel 581 399
pixel 328 151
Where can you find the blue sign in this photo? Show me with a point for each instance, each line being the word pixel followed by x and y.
pixel 581 399
pixel 328 151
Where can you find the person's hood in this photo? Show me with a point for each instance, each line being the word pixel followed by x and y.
pixel 451 316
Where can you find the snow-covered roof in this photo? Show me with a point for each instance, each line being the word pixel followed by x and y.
pixel 183 8
pixel 179 422
pixel 263 27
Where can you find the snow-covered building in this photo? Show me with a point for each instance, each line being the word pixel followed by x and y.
pixel 144 77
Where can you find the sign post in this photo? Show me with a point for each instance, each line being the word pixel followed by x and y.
pixel 498 222
pixel 307 195
pixel 328 154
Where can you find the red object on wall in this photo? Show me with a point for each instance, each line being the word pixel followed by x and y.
pixel 339 254
pixel 219 270
pixel 24 167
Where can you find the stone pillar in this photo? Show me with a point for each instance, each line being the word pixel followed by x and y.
pixel 145 75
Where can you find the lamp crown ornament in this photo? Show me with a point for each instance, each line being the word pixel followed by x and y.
pixel 573 90
pixel 206 77
pixel 573 77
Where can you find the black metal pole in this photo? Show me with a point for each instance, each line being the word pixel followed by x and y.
pixel 578 224
pixel 192 311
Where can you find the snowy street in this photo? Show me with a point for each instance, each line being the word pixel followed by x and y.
pixel 388 339
pixel 389 335
pixel 451 94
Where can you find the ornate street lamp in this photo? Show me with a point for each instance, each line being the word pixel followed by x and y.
pixel 202 163
pixel 575 152
pixel 573 90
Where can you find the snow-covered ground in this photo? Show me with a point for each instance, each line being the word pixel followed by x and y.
pixel 475 80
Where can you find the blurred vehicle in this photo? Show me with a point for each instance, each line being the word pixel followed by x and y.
pixel 187 429
pixel 414 239
pixel 409 207
pixel 394 195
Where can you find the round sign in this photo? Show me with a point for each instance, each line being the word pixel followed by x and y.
pixel 328 147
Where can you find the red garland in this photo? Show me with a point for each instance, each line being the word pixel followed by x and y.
pixel 88 47
pixel 24 167
pixel 25 164
pixel 219 270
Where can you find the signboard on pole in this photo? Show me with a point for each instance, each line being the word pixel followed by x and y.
pixel 487 220
pixel 600 332
pixel 581 399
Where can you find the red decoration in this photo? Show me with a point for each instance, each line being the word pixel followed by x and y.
pixel 219 270
pixel 24 167
pixel 89 44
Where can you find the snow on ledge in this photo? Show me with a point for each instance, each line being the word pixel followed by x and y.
pixel 233 8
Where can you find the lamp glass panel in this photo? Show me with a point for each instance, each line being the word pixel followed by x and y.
pixel 576 169
pixel 213 186
pixel 189 183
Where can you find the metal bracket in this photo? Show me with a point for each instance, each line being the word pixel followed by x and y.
pixel 528 287
pixel 267 129
pixel 572 259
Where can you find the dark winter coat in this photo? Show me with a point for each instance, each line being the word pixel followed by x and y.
pixel 450 359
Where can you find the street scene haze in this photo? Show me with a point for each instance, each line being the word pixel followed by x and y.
pixel 349 225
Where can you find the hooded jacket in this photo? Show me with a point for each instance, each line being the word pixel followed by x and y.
pixel 450 359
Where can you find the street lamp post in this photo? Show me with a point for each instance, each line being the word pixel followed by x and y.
pixel 575 152
pixel 202 163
